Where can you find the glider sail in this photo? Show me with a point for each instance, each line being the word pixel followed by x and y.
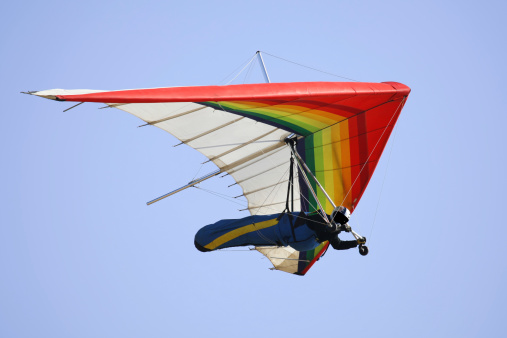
pixel 290 260
pixel 341 127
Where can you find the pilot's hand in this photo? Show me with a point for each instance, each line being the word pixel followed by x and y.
pixel 346 227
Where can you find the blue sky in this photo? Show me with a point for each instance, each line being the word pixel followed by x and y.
pixel 81 254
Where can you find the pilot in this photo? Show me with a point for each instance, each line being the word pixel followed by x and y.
pixel 299 230
pixel 339 222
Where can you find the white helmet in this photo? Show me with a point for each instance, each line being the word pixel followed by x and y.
pixel 340 215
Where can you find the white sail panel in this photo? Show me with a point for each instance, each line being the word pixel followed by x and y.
pixel 253 153
pixel 283 258
pixel 264 182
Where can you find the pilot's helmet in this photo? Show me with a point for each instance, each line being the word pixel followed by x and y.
pixel 340 215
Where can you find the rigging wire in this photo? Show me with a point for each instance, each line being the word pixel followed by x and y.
pixel 225 197
pixel 382 187
pixel 229 249
pixel 231 199
pixel 315 69
pixel 197 173
pixel 249 62
pixel 371 153
pixel 235 70
pixel 248 72
pixel 278 185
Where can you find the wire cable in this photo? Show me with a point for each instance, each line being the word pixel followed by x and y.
pixel 371 153
pixel 382 187
pixel 235 70
pixel 234 78
pixel 315 69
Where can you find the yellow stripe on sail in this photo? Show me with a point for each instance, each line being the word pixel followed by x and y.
pixel 345 174
pixel 330 163
pixel 240 231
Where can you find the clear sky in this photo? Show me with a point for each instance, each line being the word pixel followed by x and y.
pixel 81 255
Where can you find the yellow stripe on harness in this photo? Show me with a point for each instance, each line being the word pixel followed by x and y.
pixel 240 231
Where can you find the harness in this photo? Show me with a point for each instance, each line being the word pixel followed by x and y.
pixel 290 196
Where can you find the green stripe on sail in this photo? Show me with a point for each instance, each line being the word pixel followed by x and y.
pixel 319 159
pixel 287 122
pixel 310 162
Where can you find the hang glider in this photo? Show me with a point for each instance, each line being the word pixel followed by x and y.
pixel 341 130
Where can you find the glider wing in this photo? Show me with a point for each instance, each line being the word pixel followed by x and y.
pixel 342 129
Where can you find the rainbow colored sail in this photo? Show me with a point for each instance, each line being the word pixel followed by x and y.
pixel 342 129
